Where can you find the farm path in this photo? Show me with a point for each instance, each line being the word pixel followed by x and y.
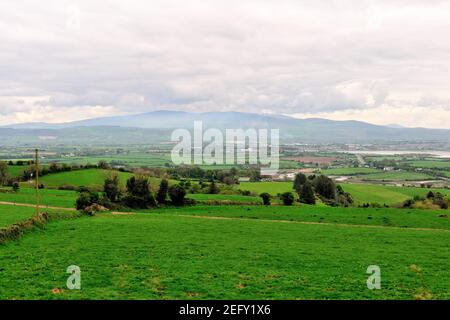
pixel 33 206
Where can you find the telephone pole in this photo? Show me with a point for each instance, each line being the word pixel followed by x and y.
pixel 36 169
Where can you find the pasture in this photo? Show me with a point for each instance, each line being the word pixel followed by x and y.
pixel 174 255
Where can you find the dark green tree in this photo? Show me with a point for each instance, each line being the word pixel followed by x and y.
pixel 299 181
pixel 111 188
pixel 161 196
pixel 287 198
pixel 306 194
pixel 265 198
pixel 177 193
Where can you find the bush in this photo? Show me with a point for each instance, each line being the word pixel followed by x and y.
pixel 162 192
pixel 306 193
pixel 86 199
pixel 265 198
pixel 15 186
pixel 287 198
pixel 138 194
pixel 177 193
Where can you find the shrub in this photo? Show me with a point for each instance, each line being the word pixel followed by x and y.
pixel 15 186
pixel 177 194
pixel 111 188
pixel 265 198
pixel 138 194
pixel 306 193
pixel 287 198
pixel 162 192
pixel 86 199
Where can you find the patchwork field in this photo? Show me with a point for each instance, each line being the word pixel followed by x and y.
pixel 168 256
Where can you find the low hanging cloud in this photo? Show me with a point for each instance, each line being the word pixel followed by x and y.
pixel 68 60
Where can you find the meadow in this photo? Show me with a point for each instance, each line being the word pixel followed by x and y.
pixel 348 171
pixel 94 178
pixel 162 255
pixel 47 197
pixel 12 214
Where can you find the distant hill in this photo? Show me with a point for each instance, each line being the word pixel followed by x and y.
pixel 158 125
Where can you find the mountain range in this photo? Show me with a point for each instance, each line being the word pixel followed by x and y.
pixel 159 124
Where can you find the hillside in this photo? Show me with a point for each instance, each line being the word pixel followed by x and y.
pixel 157 126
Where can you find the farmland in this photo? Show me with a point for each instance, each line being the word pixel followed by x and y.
pixel 164 256
pixel 227 245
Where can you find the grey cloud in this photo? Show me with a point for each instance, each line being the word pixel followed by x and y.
pixel 283 56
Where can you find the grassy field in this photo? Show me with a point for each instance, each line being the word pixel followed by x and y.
pixel 430 164
pixel 270 187
pixel 16 171
pixel 163 256
pixel 348 171
pixel 87 178
pixel 362 193
pixel 368 193
pixel 48 197
pixel 398 175
pixel 225 198
pixel 132 159
pixel 12 214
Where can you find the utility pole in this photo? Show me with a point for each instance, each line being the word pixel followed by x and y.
pixel 36 169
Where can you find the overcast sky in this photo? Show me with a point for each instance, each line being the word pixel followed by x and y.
pixel 378 61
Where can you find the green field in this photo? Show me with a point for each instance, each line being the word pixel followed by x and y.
pixel 272 188
pixel 348 171
pixel 168 256
pixel 88 178
pixel 224 198
pixel 131 160
pixel 398 175
pixel 12 214
pixel 16 171
pixel 437 164
pixel 48 197
pixel 370 193
pixel 361 193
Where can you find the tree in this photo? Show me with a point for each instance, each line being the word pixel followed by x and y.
pixel 102 164
pixel 213 189
pixel 86 199
pixel 287 198
pixel 307 193
pixel 138 194
pixel 265 198
pixel 255 176
pixel 325 187
pixel 430 195
pixel 111 188
pixel 177 194
pixel 299 181
pixel 3 172
pixel 161 196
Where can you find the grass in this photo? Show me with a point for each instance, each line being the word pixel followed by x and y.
pixel 224 197
pixel 272 188
pixel 369 193
pixel 12 214
pixel 437 164
pixel 348 171
pixel 48 197
pixel 163 256
pixel 16 171
pixel 89 178
pixel 397 175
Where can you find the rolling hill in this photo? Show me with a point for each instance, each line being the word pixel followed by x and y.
pixel 157 126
